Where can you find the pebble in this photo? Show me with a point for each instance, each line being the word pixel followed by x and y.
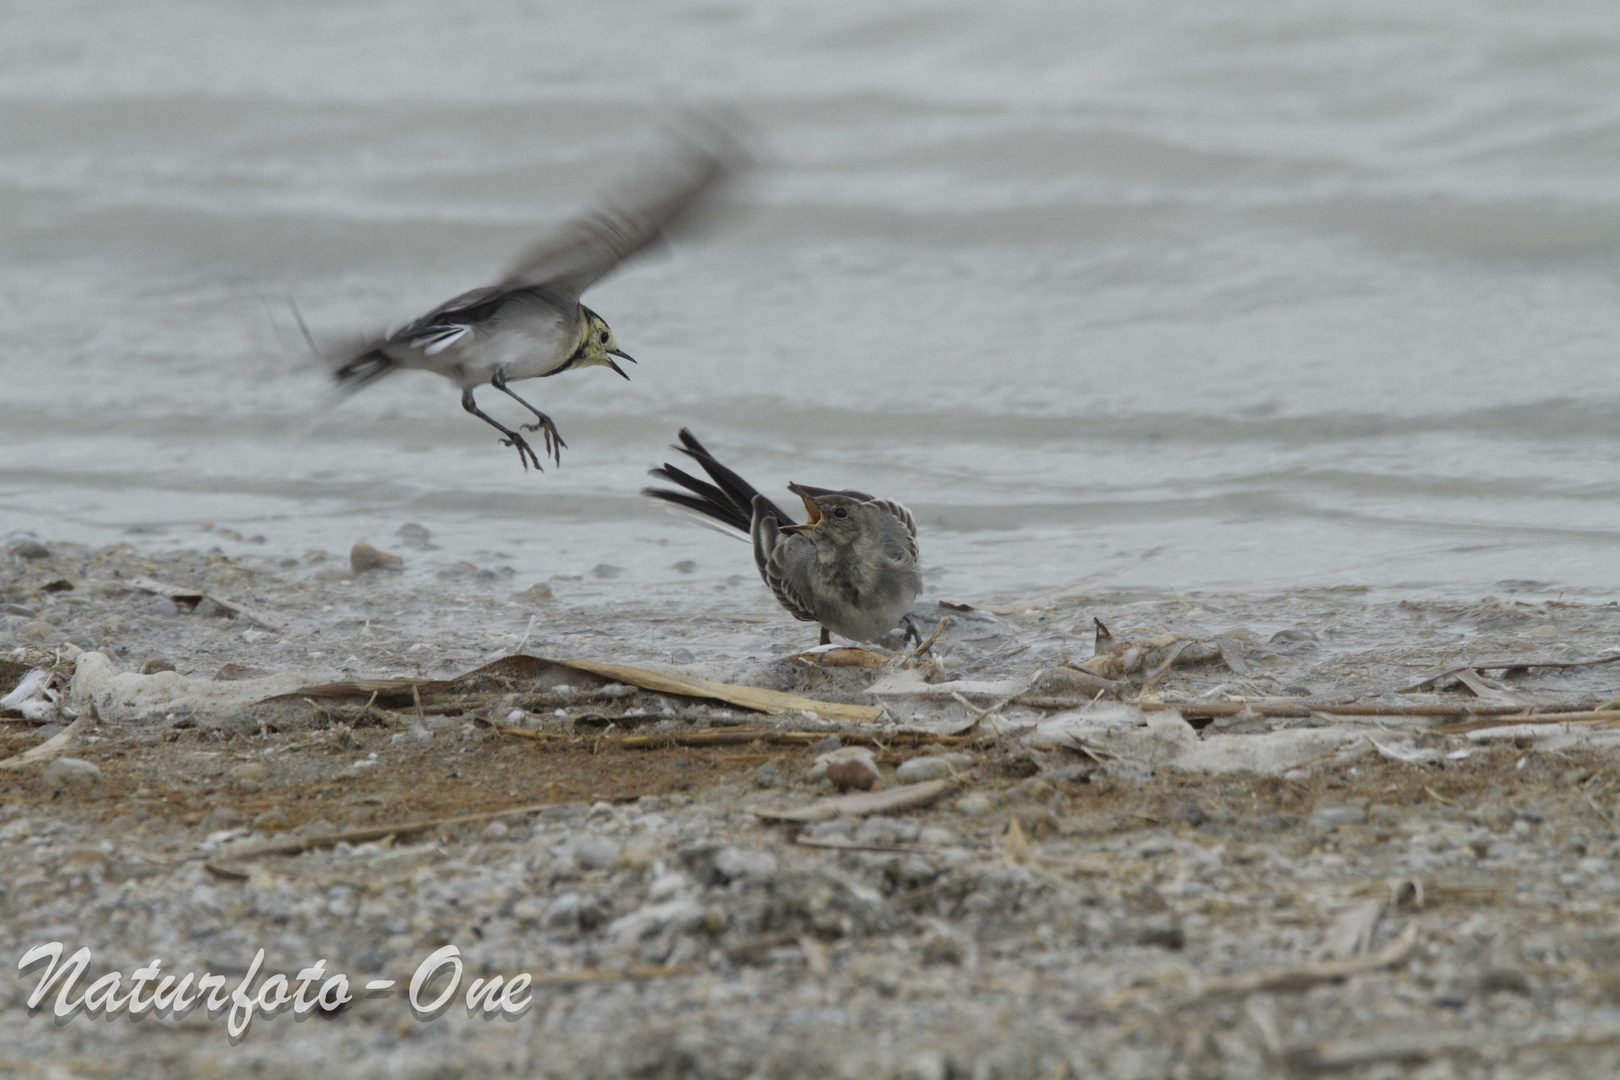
pixel 592 852
pixel 29 549
pixel 846 767
pixel 152 667
pixel 1504 981
pixel 18 610
pixel 496 830
pixel 271 821
pixel 975 803
pixel 219 819
pixel 562 912
pixel 1332 815
pixel 364 557
pixel 38 630
pixel 75 775
pixel 249 778
pixel 767 776
pixel 535 594
pixel 920 769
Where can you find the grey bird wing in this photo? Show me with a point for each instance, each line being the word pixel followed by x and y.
pixel 773 554
pixel 582 251
pixel 903 516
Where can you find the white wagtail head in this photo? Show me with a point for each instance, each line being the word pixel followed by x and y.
pixel 599 346
pixel 833 518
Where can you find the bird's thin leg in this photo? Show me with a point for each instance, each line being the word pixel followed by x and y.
pixel 912 633
pixel 826 636
pixel 525 451
pixel 554 441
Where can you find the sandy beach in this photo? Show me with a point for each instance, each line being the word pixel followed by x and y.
pixel 1121 890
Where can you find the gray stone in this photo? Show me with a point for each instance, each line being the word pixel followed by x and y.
pixel 1332 815
pixel 975 803
pixel 250 777
pixel 732 863
pixel 29 549
pixel 592 852
pixel 563 912
pixel 940 767
pixel 71 775
pixel 220 818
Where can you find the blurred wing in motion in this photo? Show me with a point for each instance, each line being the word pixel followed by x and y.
pixel 637 213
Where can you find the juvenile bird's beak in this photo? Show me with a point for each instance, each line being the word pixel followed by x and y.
pixel 622 355
pixel 812 511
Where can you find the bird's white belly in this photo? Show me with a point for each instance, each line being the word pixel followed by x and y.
pixel 525 341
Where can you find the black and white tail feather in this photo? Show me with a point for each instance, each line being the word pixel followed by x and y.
pixel 729 500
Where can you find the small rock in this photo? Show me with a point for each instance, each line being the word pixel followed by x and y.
pixel 732 863
pixel 943 945
pixel 48 731
pixel 18 610
pixel 271 821
pixel 636 856
pixel 238 672
pixel 592 852
pixel 768 776
pixel 495 830
pixel 71 775
pixel 1190 812
pixel 535 594
pixel 975 803
pixel 29 549
pixel 1504 981
pixel 364 557
pixel 219 819
pixel 941 767
pixel 606 571
pixel 249 778
pixel 38 630
pixel 685 566
pixel 826 746
pixel 613 691
pixel 152 667
pixel 1163 936
pixel 562 913
pixel 854 773
pixel 847 767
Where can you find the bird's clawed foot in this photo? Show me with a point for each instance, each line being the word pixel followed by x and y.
pixel 554 441
pixel 912 633
pixel 526 452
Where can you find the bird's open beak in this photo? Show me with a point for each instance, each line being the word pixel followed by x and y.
pixel 813 513
pixel 621 354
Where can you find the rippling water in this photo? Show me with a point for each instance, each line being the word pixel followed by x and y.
pixel 1204 295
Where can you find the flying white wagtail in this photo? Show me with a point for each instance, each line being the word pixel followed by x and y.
pixel 530 323
pixel 850 566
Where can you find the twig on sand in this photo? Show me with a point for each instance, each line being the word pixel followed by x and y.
pixel 907 797
pixel 48 749
pixel 1294 980
pixel 1507 665
pixel 736 737
pixel 300 844
pixel 1604 716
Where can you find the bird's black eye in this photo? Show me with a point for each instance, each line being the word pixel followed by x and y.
pixel 840 512
pixel 602 337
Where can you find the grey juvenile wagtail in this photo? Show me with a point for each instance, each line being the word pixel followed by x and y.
pixel 850 566
pixel 530 323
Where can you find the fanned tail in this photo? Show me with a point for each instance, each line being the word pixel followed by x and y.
pixel 728 500
pixel 363 370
